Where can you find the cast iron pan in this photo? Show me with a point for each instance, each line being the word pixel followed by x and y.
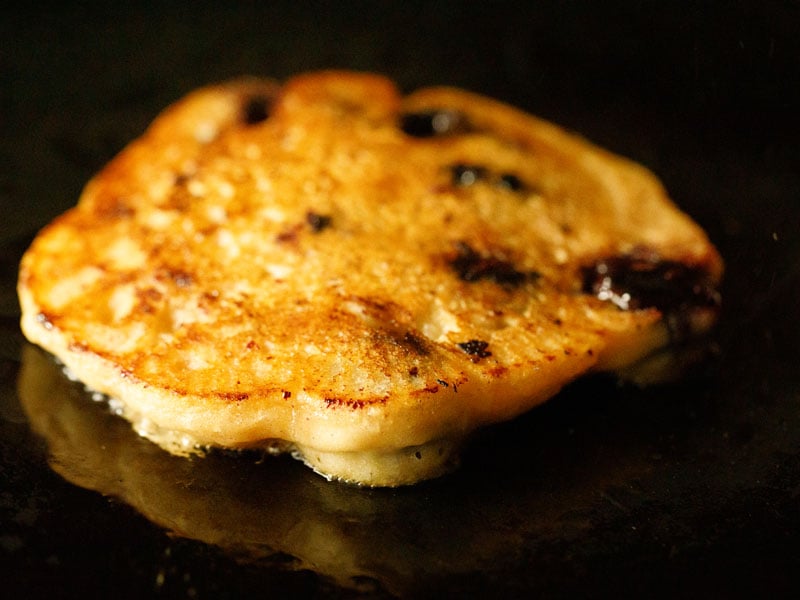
pixel 685 489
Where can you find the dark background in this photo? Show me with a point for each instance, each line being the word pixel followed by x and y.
pixel 705 94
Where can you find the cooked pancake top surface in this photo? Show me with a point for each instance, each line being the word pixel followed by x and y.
pixel 328 247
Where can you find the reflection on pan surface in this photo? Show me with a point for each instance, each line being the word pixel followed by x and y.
pixel 533 488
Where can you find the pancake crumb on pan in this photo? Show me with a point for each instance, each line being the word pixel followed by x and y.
pixel 327 268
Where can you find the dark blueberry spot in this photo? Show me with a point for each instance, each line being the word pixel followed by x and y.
pixel 442 382
pixel 255 110
pixel 466 175
pixel 473 266
pixel 511 182
pixel 317 222
pixel 432 123
pixel 642 280
pixel 633 282
pixel 475 348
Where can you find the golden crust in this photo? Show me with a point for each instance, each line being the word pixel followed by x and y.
pixel 298 263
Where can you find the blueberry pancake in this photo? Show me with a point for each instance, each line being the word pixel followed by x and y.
pixel 327 268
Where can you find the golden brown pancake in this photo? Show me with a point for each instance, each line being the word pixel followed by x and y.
pixel 327 268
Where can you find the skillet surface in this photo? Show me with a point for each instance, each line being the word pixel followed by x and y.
pixel 684 489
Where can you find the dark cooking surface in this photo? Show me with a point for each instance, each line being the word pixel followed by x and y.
pixel 685 489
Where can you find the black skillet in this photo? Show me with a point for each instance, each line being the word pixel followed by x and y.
pixel 686 489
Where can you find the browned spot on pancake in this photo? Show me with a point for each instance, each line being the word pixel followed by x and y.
pixel 353 404
pixel 148 300
pixel 497 371
pixel 412 342
pixel 234 396
pixel 182 279
pixel 429 389
pixel 289 235
pixel 149 294
pixel 113 209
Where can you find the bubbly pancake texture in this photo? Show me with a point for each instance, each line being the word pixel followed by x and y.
pixel 328 268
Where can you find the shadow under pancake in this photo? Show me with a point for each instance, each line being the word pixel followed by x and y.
pixel 524 488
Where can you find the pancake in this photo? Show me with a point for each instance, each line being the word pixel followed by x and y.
pixel 328 268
